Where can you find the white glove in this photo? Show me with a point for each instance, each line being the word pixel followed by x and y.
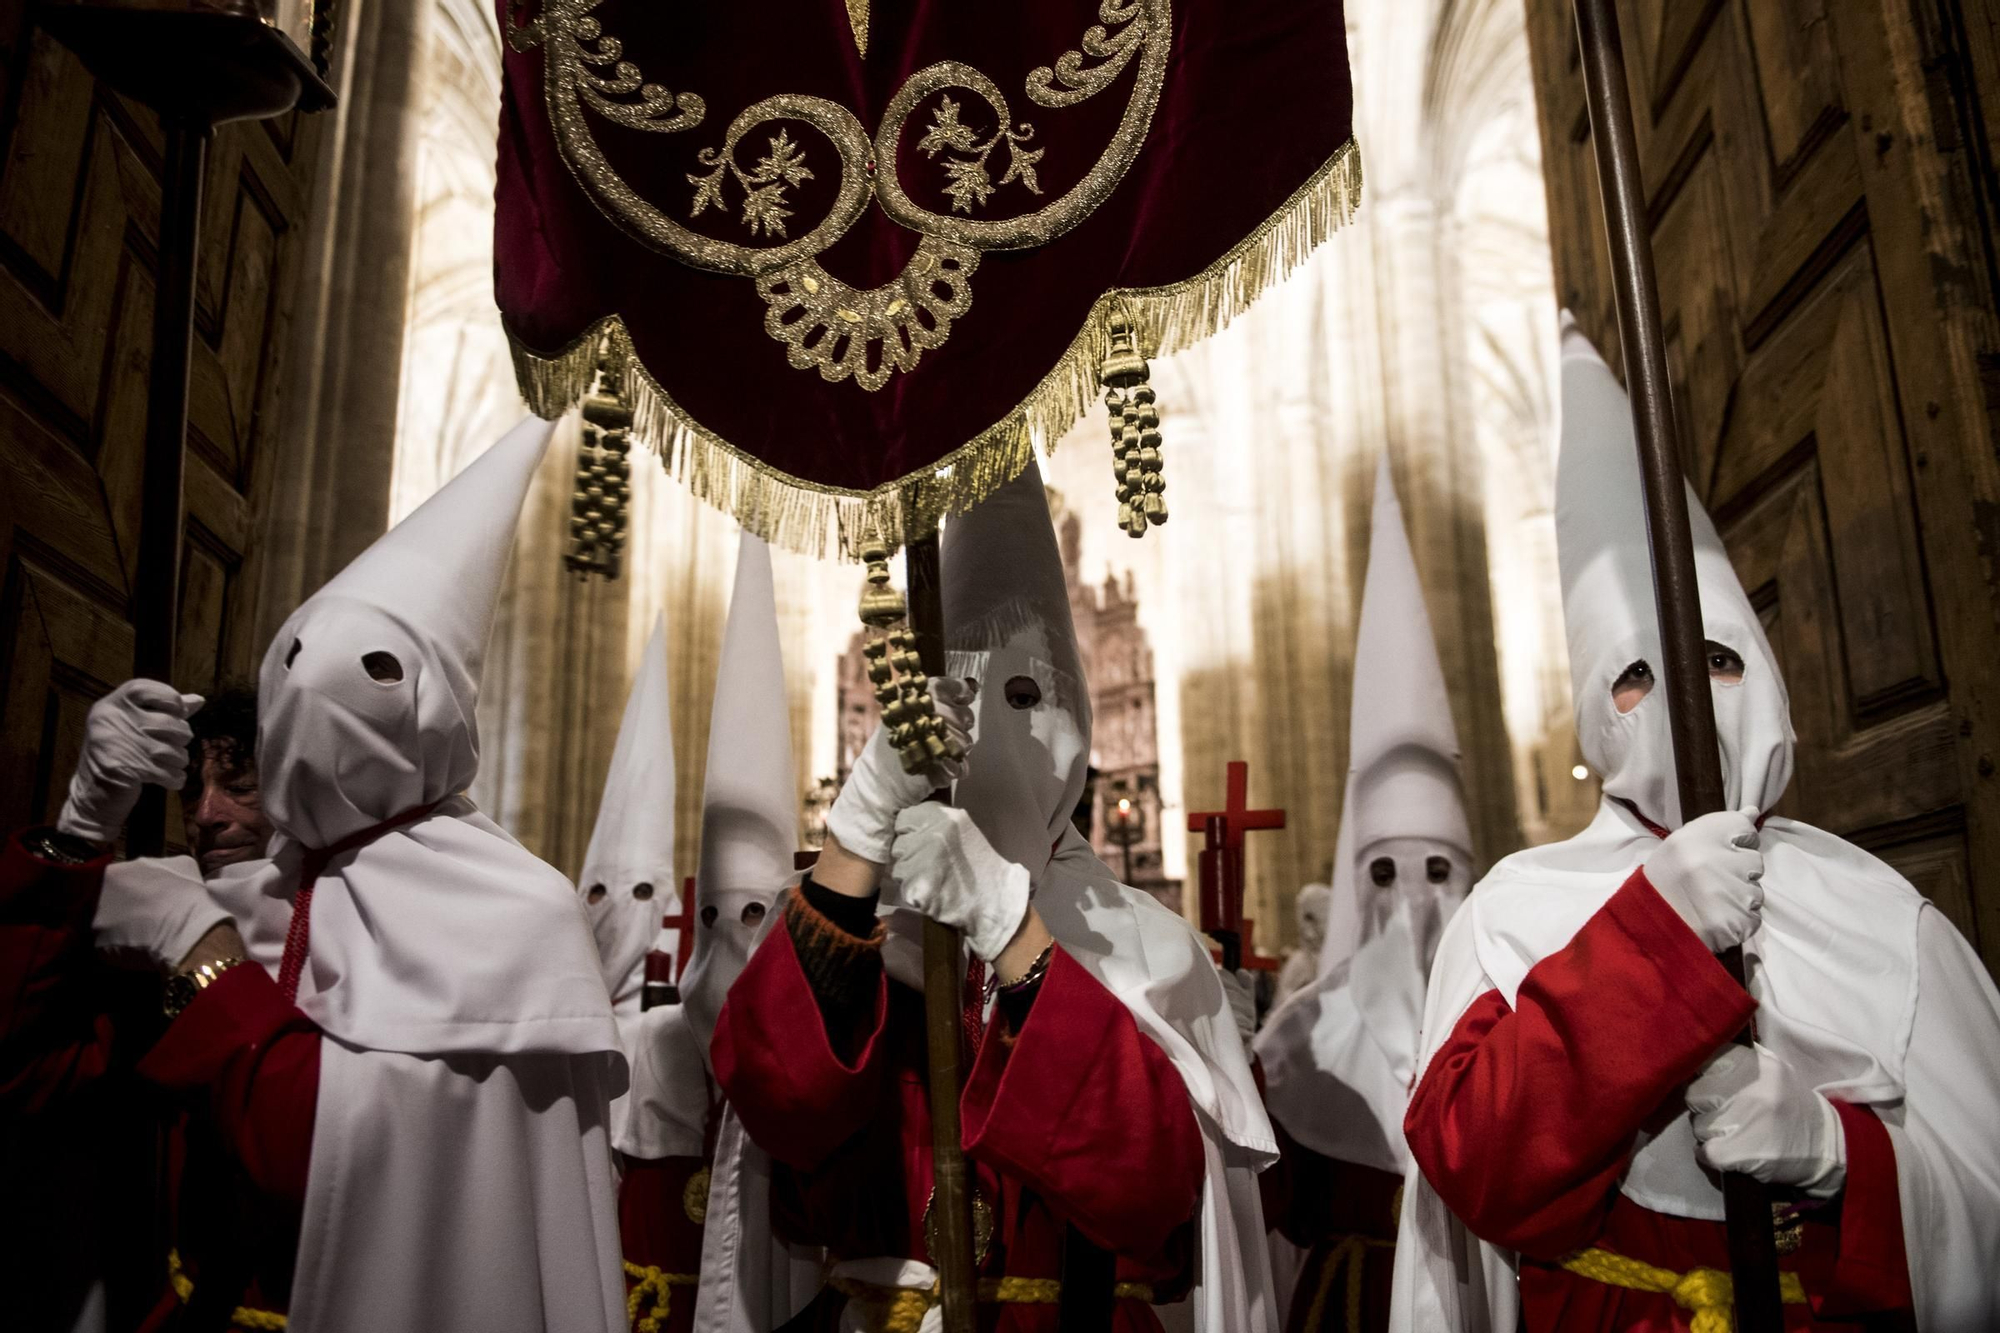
pixel 1711 872
pixel 942 866
pixel 135 735
pixel 155 907
pixel 1238 987
pixel 863 816
pixel 1756 1114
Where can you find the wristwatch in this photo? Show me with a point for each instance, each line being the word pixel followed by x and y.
pixel 182 987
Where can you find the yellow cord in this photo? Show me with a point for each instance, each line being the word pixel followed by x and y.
pixel 1708 1293
pixel 257 1321
pixel 657 1286
pixel 902 1309
pixel 1347 1255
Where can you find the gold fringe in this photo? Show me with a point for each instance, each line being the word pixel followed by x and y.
pixel 809 517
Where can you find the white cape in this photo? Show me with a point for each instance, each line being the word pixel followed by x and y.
pixel 667 1105
pixel 438 1063
pixel 1159 969
pixel 1860 984
pixel 1338 1055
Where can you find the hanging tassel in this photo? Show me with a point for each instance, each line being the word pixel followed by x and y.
pixel 1135 430
pixel 896 672
pixel 603 494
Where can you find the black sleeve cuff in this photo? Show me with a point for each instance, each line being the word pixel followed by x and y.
pixel 855 916
pixel 1013 1005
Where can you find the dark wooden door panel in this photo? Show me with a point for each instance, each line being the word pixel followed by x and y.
pixel 79 210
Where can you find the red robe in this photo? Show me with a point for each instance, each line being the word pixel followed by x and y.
pixel 1526 1118
pixel 243 1061
pixel 662 1203
pixel 1077 1119
pixel 1344 1216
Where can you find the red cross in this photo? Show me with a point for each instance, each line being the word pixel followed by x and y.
pixel 1236 819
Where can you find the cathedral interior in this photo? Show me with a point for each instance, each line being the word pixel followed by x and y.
pixel 1822 203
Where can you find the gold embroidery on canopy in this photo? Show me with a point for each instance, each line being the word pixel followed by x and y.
pixel 804 515
pixel 857 20
pixel 841 331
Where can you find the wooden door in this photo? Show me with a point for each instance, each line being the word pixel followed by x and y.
pixel 79 210
pixel 1826 275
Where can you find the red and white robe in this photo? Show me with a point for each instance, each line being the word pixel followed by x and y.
pixel 1549 1117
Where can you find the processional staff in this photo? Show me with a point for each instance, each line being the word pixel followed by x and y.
pixel 1753 1253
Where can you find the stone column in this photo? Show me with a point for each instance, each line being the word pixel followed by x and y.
pixel 325 494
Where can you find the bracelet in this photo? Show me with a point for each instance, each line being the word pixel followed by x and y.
pixel 182 987
pixel 1036 971
pixel 63 849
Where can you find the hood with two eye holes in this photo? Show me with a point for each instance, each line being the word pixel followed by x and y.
pixel 1608 608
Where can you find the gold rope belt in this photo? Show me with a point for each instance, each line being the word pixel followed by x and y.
pixel 1708 1293
pixel 1347 1256
pixel 243 1316
pixel 902 1309
pixel 654 1285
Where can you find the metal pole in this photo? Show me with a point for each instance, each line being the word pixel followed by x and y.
pixel 1753 1255
pixel 156 580
pixel 951 1186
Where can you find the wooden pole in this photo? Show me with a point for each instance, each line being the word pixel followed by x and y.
pixel 1753 1256
pixel 156 580
pixel 951 1185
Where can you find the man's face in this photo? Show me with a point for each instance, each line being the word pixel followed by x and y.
pixel 224 813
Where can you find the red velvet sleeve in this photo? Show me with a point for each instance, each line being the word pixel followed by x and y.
pixel 54 1035
pixel 256 1059
pixel 1090 1113
pixel 795 1095
pixel 1872 1272
pixel 1526 1117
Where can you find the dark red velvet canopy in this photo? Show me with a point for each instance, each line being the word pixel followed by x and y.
pixel 836 270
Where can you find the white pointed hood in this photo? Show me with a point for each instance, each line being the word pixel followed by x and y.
pixel 339 750
pixel 1007 616
pixel 450 969
pixel 632 847
pixel 1338 1056
pixel 1403 788
pixel 750 797
pixel 1608 607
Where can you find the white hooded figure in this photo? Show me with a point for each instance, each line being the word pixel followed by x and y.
pixel 1007 615
pixel 628 871
pixel 1338 1056
pixel 1301 963
pixel 460 1174
pixel 1865 994
pixel 1008 627
pixel 749 831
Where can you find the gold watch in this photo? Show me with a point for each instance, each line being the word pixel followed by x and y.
pixel 182 987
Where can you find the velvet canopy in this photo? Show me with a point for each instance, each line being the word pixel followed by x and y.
pixel 838 246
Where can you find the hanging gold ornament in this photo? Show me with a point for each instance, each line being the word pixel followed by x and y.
pixel 1135 430
pixel 603 495
pixel 894 670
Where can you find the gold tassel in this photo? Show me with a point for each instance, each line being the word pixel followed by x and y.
pixel 1135 432
pixel 818 519
pixel 896 672
pixel 603 493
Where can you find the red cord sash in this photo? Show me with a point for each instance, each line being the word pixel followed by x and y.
pixel 298 936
